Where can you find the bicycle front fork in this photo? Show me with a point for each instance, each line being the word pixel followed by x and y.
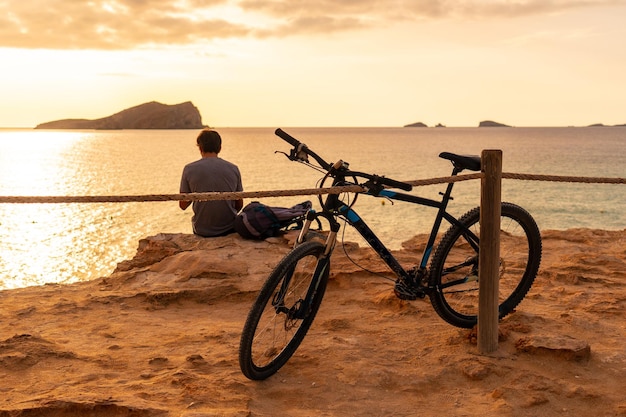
pixel 331 239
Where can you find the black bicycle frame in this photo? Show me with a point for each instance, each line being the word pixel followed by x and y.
pixel 333 203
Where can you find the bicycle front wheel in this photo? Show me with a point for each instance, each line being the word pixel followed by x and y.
pixel 454 268
pixel 283 311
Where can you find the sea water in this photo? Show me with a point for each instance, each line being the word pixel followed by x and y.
pixel 69 242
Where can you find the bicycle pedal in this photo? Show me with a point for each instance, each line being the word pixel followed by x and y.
pixel 403 292
pixel 404 295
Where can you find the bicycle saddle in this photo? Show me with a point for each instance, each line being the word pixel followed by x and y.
pixel 471 162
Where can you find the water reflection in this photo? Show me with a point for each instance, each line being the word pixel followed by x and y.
pixel 63 243
pixel 38 236
pixel 33 162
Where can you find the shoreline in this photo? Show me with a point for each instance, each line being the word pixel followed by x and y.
pixel 160 336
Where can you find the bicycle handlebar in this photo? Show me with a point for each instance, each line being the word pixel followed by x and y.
pixel 393 183
pixel 300 147
pixel 300 151
pixel 287 137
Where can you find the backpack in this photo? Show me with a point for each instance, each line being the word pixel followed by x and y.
pixel 259 221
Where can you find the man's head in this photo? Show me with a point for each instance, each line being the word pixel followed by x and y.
pixel 209 141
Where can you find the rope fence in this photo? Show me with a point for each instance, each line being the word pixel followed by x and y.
pixel 557 178
pixel 491 175
pixel 286 193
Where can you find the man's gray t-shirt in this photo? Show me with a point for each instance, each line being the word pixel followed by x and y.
pixel 211 218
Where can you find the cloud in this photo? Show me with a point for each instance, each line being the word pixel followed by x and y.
pixel 129 24
pixel 375 10
pixel 512 9
pixel 116 24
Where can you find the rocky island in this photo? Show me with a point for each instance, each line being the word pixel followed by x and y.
pixel 152 115
pixel 490 123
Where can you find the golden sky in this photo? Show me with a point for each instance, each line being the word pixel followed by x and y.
pixel 281 63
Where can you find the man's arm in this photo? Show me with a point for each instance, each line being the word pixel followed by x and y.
pixel 184 188
pixel 239 204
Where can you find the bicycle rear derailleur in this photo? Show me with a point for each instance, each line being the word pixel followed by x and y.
pixel 411 287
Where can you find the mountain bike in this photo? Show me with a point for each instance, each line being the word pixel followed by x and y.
pixel 291 296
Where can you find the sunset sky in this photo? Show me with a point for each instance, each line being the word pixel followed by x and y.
pixel 282 63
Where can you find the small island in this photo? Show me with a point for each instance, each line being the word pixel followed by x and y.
pixel 416 124
pixel 490 123
pixel 152 115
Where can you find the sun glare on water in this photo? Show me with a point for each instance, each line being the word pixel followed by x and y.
pixel 33 162
pixel 37 163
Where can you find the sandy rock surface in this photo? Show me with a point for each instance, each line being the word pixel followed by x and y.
pixel 160 337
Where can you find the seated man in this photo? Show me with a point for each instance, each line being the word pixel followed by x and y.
pixel 211 173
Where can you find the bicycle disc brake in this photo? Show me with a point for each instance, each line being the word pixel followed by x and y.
pixel 294 315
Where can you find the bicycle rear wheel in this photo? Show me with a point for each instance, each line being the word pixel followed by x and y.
pixel 280 317
pixel 454 267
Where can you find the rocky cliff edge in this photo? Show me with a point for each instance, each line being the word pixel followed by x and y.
pixel 160 337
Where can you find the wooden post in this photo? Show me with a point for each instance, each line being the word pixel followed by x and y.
pixel 489 250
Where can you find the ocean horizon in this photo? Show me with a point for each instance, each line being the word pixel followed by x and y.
pixel 406 126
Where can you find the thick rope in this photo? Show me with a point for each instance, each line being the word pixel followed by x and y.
pixel 285 193
pixel 556 178
pixel 178 197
